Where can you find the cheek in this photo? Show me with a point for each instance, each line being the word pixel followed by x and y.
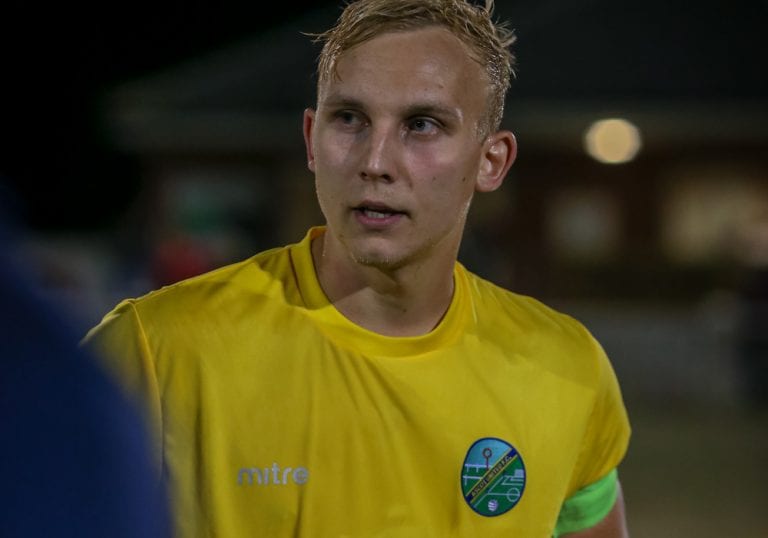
pixel 326 196
pixel 447 158
pixel 333 150
pixel 327 190
pixel 329 172
pixel 443 173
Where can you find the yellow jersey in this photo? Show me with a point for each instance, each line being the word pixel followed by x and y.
pixel 277 416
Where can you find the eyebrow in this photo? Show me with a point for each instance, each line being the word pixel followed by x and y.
pixel 426 108
pixel 433 109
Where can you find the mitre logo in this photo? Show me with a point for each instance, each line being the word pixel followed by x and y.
pixel 272 475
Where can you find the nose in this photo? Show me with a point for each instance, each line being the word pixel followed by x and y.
pixel 379 154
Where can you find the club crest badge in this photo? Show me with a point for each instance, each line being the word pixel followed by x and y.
pixel 493 477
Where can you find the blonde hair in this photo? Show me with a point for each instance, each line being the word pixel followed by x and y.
pixel 488 41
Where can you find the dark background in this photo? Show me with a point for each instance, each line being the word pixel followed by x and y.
pixel 59 60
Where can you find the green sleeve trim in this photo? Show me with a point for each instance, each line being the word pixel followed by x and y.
pixel 588 506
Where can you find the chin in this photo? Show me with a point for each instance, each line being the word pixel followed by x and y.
pixel 376 256
pixel 376 259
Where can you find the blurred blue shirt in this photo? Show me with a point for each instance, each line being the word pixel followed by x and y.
pixel 74 457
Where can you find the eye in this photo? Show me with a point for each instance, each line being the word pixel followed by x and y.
pixel 349 119
pixel 423 125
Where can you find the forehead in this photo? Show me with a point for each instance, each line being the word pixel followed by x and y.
pixel 425 63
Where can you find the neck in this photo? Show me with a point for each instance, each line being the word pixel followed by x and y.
pixel 407 301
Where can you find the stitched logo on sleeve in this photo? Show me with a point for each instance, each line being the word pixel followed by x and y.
pixel 493 477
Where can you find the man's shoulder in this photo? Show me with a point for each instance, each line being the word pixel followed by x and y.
pixel 554 339
pixel 519 309
pixel 263 274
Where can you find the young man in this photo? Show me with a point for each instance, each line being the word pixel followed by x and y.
pixel 362 382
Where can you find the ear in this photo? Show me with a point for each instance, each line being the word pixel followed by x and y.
pixel 499 152
pixel 309 122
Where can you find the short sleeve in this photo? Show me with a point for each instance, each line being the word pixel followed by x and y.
pixel 607 434
pixel 119 340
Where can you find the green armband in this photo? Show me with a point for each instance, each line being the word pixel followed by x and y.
pixel 588 506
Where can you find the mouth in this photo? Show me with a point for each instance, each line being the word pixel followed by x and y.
pixel 377 215
pixel 377 211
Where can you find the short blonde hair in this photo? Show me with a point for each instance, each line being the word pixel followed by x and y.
pixel 488 41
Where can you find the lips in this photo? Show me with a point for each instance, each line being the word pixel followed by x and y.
pixel 377 215
pixel 377 211
pixel 373 214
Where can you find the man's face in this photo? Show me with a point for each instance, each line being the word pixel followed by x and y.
pixel 395 147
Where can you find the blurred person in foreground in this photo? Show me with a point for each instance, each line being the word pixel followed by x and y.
pixel 362 382
pixel 74 457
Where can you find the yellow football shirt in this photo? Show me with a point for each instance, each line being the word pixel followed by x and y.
pixel 277 416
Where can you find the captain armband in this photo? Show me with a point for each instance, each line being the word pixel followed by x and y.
pixel 588 506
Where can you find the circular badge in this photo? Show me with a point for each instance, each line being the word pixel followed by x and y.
pixel 493 477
